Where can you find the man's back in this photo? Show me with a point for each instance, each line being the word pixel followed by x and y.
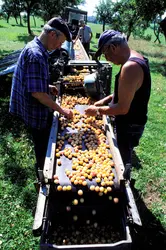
pixel 31 75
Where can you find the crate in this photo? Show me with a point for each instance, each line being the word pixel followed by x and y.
pixel 95 223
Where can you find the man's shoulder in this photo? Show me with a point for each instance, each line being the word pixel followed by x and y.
pixel 33 51
pixel 88 28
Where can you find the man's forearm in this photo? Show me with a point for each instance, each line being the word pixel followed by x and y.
pixel 45 99
pixel 113 109
pixel 108 99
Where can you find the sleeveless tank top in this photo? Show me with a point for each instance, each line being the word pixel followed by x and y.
pixel 137 113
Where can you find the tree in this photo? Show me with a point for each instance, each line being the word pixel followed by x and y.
pixel 149 9
pixel 44 8
pixel 7 8
pixel 29 6
pixel 104 12
pixel 152 10
pixel 126 18
pixel 156 28
pixel 51 8
pixel 12 8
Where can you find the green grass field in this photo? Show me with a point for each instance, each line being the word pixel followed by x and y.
pixel 17 194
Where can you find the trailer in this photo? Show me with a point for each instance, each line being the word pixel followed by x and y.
pixel 84 202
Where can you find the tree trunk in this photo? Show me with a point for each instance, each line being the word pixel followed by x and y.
pixel 8 16
pixel 130 28
pixel 103 25
pixel 157 33
pixel 163 27
pixel 21 24
pixel 34 20
pixel 28 22
pixel 16 20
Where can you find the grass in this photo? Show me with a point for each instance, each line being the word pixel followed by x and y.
pixel 17 193
pixel 14 37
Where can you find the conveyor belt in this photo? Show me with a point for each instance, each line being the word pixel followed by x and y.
pixel 79 52
pixel 67 163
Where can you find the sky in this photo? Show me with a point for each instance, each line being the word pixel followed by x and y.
pixel 89 6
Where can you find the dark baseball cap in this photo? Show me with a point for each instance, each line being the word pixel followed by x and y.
pixel 60 25
pixel 103 39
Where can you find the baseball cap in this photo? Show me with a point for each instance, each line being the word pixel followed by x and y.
pixel 104 38
pixel 60 25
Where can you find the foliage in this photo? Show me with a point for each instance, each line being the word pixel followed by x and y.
pixel 104 12
pixel 149 9
pixel 51 8
pixel 43 8
pixel 126 18
pixel 131 16
pixel 12 7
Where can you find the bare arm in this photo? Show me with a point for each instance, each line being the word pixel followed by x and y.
pixel 130 81
pixel 104 101
pixel 45 99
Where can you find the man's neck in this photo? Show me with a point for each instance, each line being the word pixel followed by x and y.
pixel 43 39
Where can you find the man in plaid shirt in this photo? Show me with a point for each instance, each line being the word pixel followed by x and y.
pixel 30 90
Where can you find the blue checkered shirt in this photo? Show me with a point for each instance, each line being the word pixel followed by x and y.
pixel 31 75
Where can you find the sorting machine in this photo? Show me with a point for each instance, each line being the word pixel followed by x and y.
pixel 72 215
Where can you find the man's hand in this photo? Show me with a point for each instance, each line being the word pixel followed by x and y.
pixel 91 111
pixel 53 90
pixel 68 113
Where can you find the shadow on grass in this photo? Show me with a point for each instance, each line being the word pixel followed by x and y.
pixel 28 198
pixel 136 161
pixel 158 68
pixel 5 52
pixel 37 30
pixel 17 25
pixel 151 235
pixel 5 87
pixel 12 130
pixel 17 155
pixel 25 38
pixel 151 54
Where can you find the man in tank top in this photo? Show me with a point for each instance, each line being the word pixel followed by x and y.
pixel 129 102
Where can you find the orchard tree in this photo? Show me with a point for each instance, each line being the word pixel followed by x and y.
pixel 126 18
pixel 29 6
pixel 152 10
pixel 51 8
pixel 7 9
pixel 104 12
pixel 12 8
pixel 149 9
pixel 44 8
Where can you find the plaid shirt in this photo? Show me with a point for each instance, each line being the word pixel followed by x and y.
pixel 31 75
